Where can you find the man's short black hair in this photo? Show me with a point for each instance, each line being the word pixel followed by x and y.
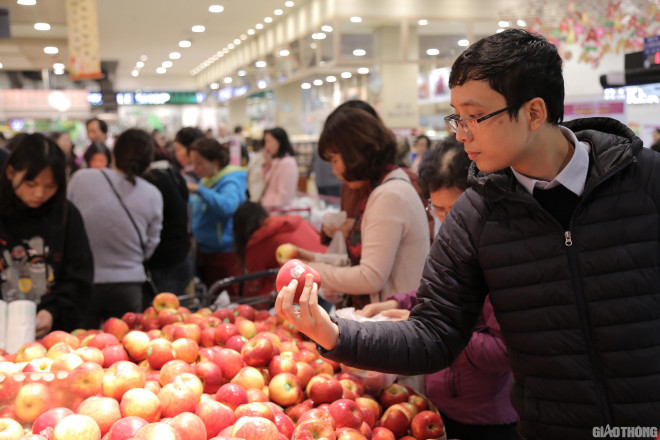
pixel 517 64
pixel 102 125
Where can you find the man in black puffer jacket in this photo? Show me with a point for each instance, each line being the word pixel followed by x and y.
pixel 562 227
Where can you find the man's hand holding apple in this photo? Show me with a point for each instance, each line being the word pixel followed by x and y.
pixel 309 318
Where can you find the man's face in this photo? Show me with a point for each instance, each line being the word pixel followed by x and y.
pixel 498 142
pixel 94 132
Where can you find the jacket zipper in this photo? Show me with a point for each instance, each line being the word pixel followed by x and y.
pixel 579 294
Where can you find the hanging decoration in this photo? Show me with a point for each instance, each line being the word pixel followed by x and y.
pixel 594 26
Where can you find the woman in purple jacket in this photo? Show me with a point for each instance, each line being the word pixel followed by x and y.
pixel 473 393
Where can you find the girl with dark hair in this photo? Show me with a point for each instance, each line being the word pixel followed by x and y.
pixel 44 252
pixel 257 236
pixel 280 170
pixel 388 241
pixel 123 216
pixel 214 201
pixel 97 156
pixel 182 142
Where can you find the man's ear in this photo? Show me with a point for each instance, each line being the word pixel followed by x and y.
pixel 537 113
pixel 10 172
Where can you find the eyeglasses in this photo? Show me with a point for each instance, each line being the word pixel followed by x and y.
pixel 436 211
pixel 470 125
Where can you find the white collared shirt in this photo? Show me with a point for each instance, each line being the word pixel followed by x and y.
pixel 574 175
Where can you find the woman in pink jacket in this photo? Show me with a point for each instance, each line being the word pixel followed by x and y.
pixel 473 393
pixel 280 170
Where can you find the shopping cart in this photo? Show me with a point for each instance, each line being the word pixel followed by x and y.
pixel 267 300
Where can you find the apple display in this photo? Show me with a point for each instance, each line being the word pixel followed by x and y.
pixel 346 413
pixel 159 352
pixel 211 376
pixel 397 419
pixel 165 301
pixel 176 398
pixel 136 343
pixel 255 428
pixel 10 429
pixel 172 369
pixel 90 354
pixel 125 428
pixel 314 430
pixel 87 379
pixel 189 426
pixel 255 409
pixel 215 415
pixel 103 410
pixel 121 377
pixel 257 352
pixel 382 433
pixel 157 431
pixel 324 389
pixel 250 377
pixel 49 419
pixel 285 389
pixel 60 336
pixel 116 327
pixel 295 270
pixel 32 400
pixel 232 395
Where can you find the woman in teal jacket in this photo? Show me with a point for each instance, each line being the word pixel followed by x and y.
pixel 214 199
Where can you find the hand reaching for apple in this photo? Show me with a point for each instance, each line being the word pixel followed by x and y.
pixel 44 323
pixel 397 314
pixel 309 318
pixel 375 308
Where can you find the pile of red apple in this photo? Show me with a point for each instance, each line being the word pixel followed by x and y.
pixel 169 374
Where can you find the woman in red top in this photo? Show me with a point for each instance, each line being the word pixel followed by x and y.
pixel 257 235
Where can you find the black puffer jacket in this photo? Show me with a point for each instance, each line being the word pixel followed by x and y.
pixel 579 309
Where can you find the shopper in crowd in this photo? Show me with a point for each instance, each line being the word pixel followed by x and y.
pixel 97 156
pixel 97 130
pixel 255 182
pixel 63 140
pixel 402 153
pixel 214 200
pixel 352 198
pixel 4 154
pixel 258 235
pixel 473 393
pixel 123 216
pixel 3 141
pixel 171 264
pixel 182 141
pixel 388 241
pixel 44 251
pixel 421 146
pixel 577 303
pixel 280 170
pixel 656 140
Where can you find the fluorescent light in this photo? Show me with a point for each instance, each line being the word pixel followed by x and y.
pixel 278 12
pixel 42 26
pixel 240 73
pixel 58 72
pixel 289 4
pixel 259 26
pixel 318 82
pixel 185 43
pixel 144 57
pixel 363 70
pixel 228 80
pixel 268 20
pixel 499 30
pixel 237 42
pixel 356 19
pixel 250 31
pixel 1 66
pixel 139 64
pixel 260 64
pixel 215 86
pixel 216 9
pixel 51 50
pixel 521 23
pixel 27 2
pixel 135 73
pixel 262 84
pixel 230 46
pixel 305 86
pixel 326 28
pixel 284 53
pixel 423 22
pixel 330 79
pixel 432 52
pixel 463 43
pixel 58 66
pixel 161 70
pixel 359 52
pixel 318 36
pixel 243 37
pixel 503 23
pixel 167 64
pixel 346 75
pixel 175 55
pixel 198 28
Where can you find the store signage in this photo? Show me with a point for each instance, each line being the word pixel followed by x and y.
pixel 631 95
pixel 225 93
pixel 240 91
pixel 651 46
pixel 149 98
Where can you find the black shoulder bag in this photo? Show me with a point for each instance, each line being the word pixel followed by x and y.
pixel 149 289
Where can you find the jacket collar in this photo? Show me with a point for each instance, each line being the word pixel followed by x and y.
pixel 210 182
pixel 613 145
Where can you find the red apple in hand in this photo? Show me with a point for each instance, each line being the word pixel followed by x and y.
pixel 427 424
pixel 295 270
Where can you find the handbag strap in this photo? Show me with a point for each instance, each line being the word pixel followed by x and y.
pixel 144 250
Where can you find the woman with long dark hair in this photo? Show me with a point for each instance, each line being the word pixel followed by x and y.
pixel 123 216
pixel 280 170
pixel 44 251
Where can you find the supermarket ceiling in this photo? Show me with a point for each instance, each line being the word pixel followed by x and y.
pixel 149 31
